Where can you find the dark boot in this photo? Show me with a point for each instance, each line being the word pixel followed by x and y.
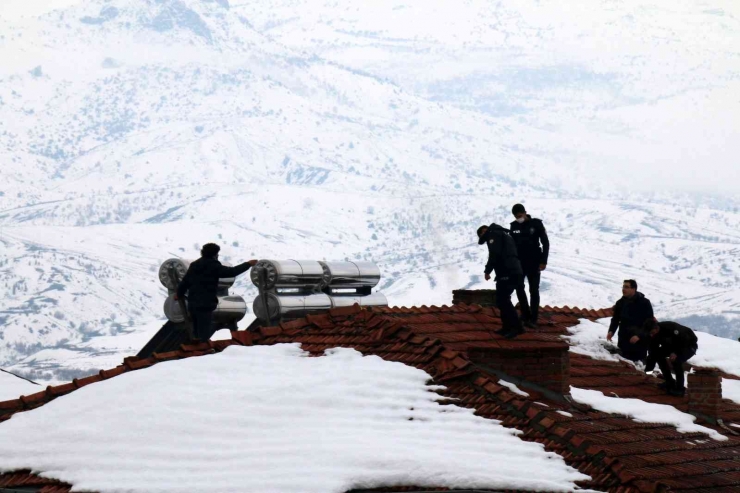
pixel 677 391
pixel 514 332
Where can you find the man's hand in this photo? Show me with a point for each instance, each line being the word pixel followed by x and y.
pixel 609 336
pixel 543 267
pixel 672 357
pixel 634 339
pixel 488 277
pixel 253 262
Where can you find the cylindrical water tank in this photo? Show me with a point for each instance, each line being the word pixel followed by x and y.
pixel 229 309
pixel 288 273
pixel 341 275
pixel 374 299
pixel 280 307
pixel 181 267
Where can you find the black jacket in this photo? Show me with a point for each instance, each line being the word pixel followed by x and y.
pixel 201 282
pixel 630 315
pixel 671 338
pixel 528 236
pixel 502 256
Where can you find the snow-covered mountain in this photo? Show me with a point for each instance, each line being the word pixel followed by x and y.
pixel 132 131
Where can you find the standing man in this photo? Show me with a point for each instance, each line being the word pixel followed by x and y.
pixel 630 314
pixel 674 342
pixel 502 259
pixel 528 233
pixel 201 284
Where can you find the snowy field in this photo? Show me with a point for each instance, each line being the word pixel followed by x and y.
pixel 302 424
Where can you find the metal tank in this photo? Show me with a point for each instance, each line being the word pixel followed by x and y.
pixel 288 273
pixel 230 309
pixel 349 275
pixel 374 299
pixel 280 307
pixel 181 267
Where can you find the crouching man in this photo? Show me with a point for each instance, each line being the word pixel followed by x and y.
pixel 672 342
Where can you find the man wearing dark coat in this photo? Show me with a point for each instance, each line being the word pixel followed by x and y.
pixel 528 233
pixel 670 341
pixel 630 314
pixel 503 260
pixel 201 285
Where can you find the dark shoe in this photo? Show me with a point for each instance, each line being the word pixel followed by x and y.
pixel 531 324
pixel 502 331
pixel 515 332
pixel 677 392
pixel 665 386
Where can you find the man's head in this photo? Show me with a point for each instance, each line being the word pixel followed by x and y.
pixel 481 232
pixel 629 288
pixel 520 213
pixel 651 325
pixel 210 250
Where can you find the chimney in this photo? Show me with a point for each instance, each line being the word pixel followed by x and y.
pixel 482 297
pixel 705 392
pixel 543 361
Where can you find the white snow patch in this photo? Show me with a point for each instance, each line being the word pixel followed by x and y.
pixel 12 387
pixel 731 389
pixel 589 338
pixel 299 424
pixel 513 388
pixel 565 413
pixel 643 412
pixel 717 352
pixel 541 404
pixel 734 425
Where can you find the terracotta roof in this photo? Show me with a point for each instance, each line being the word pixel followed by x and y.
pixel 619 454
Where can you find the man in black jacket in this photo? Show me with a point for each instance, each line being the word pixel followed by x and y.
pixel 502 258
pixel 674 342
pixel 630 314
pixel 528 233
pixel 201 284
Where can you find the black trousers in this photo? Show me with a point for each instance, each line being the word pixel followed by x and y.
pixel 681 358
pixel 504 289
pixel 202 319
pixel 530 311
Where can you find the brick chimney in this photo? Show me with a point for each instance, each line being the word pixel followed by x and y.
pixel 482 297
pixel 705 392
pixel 543 361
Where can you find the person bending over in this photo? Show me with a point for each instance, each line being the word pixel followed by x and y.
pixel 670 341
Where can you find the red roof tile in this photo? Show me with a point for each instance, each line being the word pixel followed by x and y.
pixel 619 454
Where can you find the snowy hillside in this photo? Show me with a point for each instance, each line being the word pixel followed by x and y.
pixel 134 131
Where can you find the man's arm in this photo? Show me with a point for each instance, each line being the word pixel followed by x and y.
pixel 225 272
pixel 652 359
pixel 493 251
pixel 545 244
pixel 184 285
pixel 616 318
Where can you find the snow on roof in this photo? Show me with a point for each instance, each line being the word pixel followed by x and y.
pixel 269 418
pixel 643 412
pixel 717 352
pixel 731 389
pixel 12 386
